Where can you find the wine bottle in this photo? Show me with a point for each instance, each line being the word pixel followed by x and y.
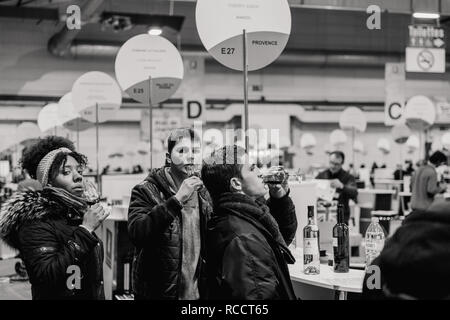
pixel 341 243
pixel 311 254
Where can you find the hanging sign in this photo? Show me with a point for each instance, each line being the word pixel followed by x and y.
pixel 420 113
pixel 96 88
pixel 145 58
pixel 220 25
pixel 353 118
pixel 426 49
pixel 394 84
pixel 48 117
pixel 69 117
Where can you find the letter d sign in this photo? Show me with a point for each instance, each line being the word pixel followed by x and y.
pixel 194 109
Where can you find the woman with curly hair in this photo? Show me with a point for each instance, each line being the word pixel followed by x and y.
pixel 53 228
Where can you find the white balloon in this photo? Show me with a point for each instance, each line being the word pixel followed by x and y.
pixel 420 113
pixel 308 141
pixel 445 140
pixel 353 118
pixel 413 143
pixel 48 117
pixel 384 145
pixel 358 146
pixel 338 137
pixel 26 131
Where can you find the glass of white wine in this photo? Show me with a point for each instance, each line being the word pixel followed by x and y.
pixel 91 194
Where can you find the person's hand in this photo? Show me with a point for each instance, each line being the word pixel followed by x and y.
pixel 335 183
pixel 278 191
pixel 94 217
pixel 187 189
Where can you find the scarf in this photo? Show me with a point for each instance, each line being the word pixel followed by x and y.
pixel 77 205
pixel 254 209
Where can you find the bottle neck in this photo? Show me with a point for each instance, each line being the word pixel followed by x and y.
pixel 340 215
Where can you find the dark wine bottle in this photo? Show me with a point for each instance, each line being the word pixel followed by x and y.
pixel 341 243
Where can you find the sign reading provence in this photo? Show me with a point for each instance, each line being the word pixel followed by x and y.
pixel 426 49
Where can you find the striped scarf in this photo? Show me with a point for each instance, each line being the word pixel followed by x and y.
pixel 67 199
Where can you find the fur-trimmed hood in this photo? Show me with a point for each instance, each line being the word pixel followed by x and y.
pixel 24 207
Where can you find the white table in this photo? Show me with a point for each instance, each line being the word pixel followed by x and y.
pixel 341 283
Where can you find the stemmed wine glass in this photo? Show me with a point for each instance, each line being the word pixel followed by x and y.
pixel 91 194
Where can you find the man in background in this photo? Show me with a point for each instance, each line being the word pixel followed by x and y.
pixel 344 182
pixel 425 184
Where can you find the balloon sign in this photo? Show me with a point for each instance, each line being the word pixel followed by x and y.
pixel 308 142
pixel 338 138
pixel 26 131
pixel 400 133
pixel 48 117
pixel 384 146
pixel 413 143
pixel 445 140
pixel 358 146
pixel 420 113
pixel 353 118
pixel 143 59
pixel 96 89
pixel 69 117
pixel 220 25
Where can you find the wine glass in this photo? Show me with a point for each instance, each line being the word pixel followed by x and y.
pixel 91 193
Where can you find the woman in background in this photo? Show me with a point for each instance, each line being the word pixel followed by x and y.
pixel 53 228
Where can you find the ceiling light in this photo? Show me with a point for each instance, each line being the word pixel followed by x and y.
pixel 154 31
pixel 424 15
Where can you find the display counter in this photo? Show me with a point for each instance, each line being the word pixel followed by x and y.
pixel 327 284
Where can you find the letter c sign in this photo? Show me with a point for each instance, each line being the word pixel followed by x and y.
pixel 395 111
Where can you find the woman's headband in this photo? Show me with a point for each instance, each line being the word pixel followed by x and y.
pixel 43 169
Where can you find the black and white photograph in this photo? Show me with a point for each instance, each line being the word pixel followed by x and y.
pixel 224 156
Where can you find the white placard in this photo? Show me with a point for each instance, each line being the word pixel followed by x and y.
pixel 145 57
pixel 69 117
pixel 394 106
pixel 48 117
pixel 338 137
pixel 420 112
pixel 400 133
pixel 425 60
pixel 96 88
pixel 26 131
pixel 220 25
pixel 353 118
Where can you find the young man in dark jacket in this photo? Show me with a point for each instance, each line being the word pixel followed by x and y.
pixel 167 223
pixel 415 261
pixel 247 237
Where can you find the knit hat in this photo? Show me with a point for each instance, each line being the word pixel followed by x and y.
pixel 45 164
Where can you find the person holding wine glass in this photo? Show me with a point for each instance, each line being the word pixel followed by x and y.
pixel 248 236
pixel 53 228
pixel 167 220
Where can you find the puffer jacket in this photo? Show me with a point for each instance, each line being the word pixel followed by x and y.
pixel 247 250
pixel 155 228
pixel 63 260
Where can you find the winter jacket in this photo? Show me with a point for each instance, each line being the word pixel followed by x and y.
pixel 63 260
pixel 247 251
pixel 155 228
pixel 415 261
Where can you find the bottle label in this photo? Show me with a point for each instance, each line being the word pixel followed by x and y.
pixel 310 246
pixel 335 242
